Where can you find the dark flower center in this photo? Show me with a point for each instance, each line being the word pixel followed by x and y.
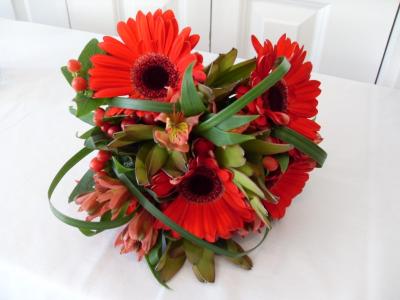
pixel 276 97
pixel 202 186
pixel 152 73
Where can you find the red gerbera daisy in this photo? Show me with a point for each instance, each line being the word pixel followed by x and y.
pixel 208 204
pixel 150 59
pixel 288 185
pixel 292 101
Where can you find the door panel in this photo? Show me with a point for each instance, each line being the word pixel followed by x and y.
pixel 6 9
pixel 304 22
pixel 98 16
pixel 343 38
pixel 101 16
pixel 41 11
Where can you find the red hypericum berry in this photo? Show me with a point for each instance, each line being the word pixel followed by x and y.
pixel 74 65
pixel 98 117
pixel 127 121
pixel 79 84
pixel 270 163
pixel 103 156
pixel 202 147
pixel 97 165
pixel 113 129
pixel 105 127
pixel 148 119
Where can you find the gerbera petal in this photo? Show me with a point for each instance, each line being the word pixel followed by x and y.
pixel 117 49
pixel 256 44
pixel 289 185
pixel 306 127
pixel 113 92
pixel 110 61
pixel 107 72
pixel 194 39
pixel 128 37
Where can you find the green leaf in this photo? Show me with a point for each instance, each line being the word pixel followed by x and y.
pixel 193 252
pixel 120 167
pixel 176 164
pixel 90 232
pixel 84 185
pixel 90 49
pixel 144 105
pixel 156 159
pixel 265 148
pixel 190 101
pixel 204 269
pixel 155 253
pixel 98 140
pixel 86 105
pixel 246 169
pixel 140 166
pixel 276 75
pixel 221 138
pixel 155 273
pixel 301 143
pixel 67 74
pixel 236 121
pixel 247 183
pixel 230 156
pixel 283 160
pixel 260 210
pixel 88 118
pixel 172 261
pixel 88 133
pixel 154 211
pixel 66 167
pixel 244 261
pixel 132 134
pixel 236 73
pixel 223 63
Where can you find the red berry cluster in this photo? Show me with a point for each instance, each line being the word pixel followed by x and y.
pixel 78 83
pixel 109 128
pixel 98 163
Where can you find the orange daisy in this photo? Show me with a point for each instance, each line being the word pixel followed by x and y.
pixel 151 58
pixel 208 204
pixel 293 100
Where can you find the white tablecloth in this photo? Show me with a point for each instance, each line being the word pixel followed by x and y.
pixel 339 240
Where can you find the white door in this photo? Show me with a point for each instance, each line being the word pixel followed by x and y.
pixel 101 16
pixel 345 38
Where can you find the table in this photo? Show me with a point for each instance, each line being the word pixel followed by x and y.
pixel 339 239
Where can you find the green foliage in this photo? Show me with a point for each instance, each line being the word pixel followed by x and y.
pixel 222 71
pixel 301 143
pixel 230 156
pixel 222 138
pixel 265 148
pixel 143 105
pixel 85 185
pixel 90 49
pixel 190 101
pixel 132 134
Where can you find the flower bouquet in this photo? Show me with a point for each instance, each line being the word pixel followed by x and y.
pixel 189 157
